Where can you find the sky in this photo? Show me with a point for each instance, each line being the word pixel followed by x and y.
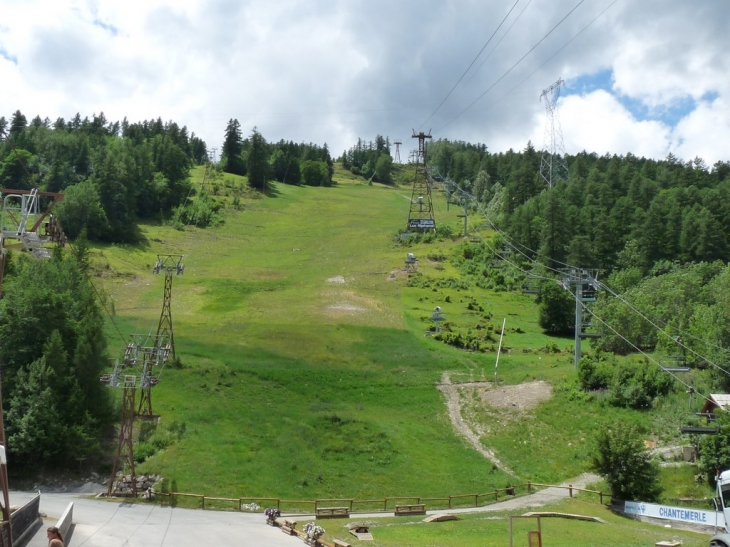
pixel 647 77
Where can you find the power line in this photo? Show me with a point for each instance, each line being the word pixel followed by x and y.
pixel 558 51
pixel 647 356
pixel 533 262
pixel 512 67
pixel 500 41
pixel 471 64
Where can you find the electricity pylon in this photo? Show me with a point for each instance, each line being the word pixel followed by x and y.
pixel 552 164
pixel 420 214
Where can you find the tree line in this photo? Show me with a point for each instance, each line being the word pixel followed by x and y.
pixel 610 213
pixel 52 351
pixel 284 161
pixel 372 160
pixel 112 173
pixel 656 230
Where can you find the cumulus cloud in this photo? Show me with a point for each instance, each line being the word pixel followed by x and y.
pixel 597 122
pixel 333 71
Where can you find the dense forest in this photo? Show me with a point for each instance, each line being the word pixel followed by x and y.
pixel 655 230
pixel 112 173
pixel 611 212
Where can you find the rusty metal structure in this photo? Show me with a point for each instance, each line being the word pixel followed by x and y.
pixel 136 370
pixel 25 220
pixel 420 214
pixel 22 218
pixel 151 356
pixel 170 264
pixel 125 446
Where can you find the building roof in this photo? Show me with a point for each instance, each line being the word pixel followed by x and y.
pixel 721 399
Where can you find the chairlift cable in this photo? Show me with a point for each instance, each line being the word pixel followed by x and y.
pixel 512 67
pixel 600 283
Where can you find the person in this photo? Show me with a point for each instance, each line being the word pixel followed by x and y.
pixel 55 539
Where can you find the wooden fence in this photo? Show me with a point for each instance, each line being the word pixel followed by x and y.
pixel 380 505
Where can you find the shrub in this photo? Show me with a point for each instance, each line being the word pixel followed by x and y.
pixel 626 465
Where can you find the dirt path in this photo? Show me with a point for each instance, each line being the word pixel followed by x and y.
pixel 519 398
pixel 542 497
pixel 453 404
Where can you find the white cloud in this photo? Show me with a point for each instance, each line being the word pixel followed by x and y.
pixel 597 122
pixel 332 71
pixel 704 133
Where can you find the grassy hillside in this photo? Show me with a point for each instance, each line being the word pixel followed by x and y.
pixel 306 372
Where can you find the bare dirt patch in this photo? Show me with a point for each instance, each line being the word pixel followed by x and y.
pixel 344 302
pixel 337 279
pixel 397 273
pixel 462 397
pixel 520 397
pixel 345 307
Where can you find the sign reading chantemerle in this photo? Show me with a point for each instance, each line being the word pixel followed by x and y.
pixel 680 514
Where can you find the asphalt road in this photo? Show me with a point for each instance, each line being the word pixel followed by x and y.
pixel 100 523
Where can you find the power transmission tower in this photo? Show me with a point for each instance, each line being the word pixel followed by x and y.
pixel 420 214
pixel 170 264
pixel 552 164
pixel 583 283
pixel 396 159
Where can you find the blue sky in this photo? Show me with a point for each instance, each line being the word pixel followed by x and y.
pixel 669 113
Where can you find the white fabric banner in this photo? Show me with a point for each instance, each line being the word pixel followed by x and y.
pixel 681 514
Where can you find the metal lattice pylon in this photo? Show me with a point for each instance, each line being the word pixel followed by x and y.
pixel 170 264
pixel 420 214
pixel 125 446
pixel 552 164
pixel 151 356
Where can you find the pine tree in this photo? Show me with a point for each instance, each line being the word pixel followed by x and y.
pixel 258 161
pixel 232 147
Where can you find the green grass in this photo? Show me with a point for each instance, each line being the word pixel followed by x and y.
pixel 296 386
pixel 492 529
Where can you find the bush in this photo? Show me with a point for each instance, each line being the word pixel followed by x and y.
pixel 201 212
pixel 626 465
pixel 594 375
pixel 444 231
pixel 715 450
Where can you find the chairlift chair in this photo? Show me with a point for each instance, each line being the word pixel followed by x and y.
pixel 699 423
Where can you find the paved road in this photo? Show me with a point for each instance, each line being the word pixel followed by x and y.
pixel 99 523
